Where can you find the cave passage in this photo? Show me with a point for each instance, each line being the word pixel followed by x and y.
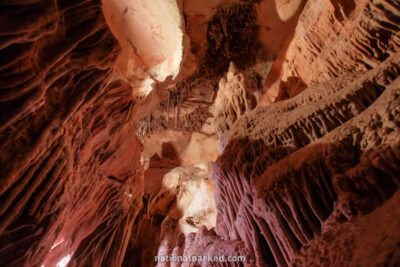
pixel 244 132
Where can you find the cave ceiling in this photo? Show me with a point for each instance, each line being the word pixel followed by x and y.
pixel 265 130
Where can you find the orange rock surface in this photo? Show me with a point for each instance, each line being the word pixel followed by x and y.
pixel 137 129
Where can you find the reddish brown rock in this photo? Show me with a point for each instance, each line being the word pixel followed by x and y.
pixel 151 131
pixel 65 184
pixel 333 38
pixel 280 185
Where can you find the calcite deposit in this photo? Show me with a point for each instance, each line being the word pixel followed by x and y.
pixel 135 131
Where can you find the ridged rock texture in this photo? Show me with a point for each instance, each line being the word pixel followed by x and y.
pixel 59 170
pixel 268 129
pixel 298 169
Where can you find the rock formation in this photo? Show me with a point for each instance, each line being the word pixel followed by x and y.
pixel 61 101
pixel 265 130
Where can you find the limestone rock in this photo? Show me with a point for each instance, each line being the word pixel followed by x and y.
pixel 265 130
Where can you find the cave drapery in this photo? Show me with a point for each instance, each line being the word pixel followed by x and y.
pixel 131 129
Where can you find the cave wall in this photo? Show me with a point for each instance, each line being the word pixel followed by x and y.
pixel 96 173
pixel 332 38
pixel 302 168
pixel 64 187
